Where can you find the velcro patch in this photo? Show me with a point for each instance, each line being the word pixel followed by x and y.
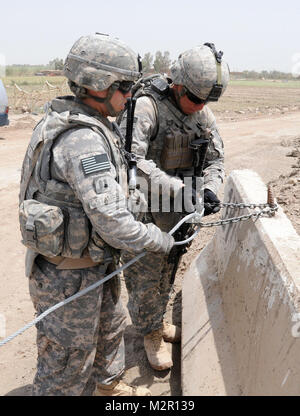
pixel 94 164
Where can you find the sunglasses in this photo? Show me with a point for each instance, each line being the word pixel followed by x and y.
pixel 214 95
pixel 193 98
pixel 125 86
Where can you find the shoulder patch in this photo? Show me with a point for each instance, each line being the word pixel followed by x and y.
pixel 96 163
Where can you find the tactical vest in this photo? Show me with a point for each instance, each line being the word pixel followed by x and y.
pixel 37 183
pixel 170 145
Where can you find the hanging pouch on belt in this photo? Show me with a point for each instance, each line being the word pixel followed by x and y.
pixel 42 227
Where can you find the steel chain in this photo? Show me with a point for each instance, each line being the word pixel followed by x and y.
pixel 264 209
pixel 270 210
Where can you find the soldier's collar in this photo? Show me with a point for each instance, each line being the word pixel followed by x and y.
pixel 76 106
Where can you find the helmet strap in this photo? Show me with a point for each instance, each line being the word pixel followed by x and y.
pixel 106 100
pixel 82 93
pixel 111 90
pixel 216 90
pixel 219 72
pixel 77 90
pixel 182 93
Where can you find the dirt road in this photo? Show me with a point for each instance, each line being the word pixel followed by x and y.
pixel 259 144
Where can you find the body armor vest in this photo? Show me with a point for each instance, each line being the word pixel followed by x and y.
pixel 37 183
pixel 170 147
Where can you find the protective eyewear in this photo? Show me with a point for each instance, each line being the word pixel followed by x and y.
pixel 214 95
pixel 217 88
pixel 193 98
pixel 125 86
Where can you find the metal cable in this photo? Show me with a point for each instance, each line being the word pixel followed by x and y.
pixel 139 256
pixel 70 299
pixel 86 290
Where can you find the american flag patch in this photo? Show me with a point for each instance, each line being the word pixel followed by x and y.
pixel 97 163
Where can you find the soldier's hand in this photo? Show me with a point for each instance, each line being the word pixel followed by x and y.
pixel 211 202
pixel 162 242
pixel 169 242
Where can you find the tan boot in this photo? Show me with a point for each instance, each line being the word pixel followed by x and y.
pixel 157 352
pixel 119 388
pixel 171 333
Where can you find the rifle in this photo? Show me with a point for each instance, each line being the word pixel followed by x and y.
pixel 200 146
pixel 131 158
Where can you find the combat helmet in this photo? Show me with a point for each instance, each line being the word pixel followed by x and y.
pixel 98 62
pixel 202 72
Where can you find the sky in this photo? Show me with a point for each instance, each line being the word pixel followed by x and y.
pixel 254 35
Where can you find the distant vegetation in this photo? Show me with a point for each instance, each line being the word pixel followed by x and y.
pixel 31 82
pixel 30 70
pixel 160 62
pixel 263 75
pixel 23 70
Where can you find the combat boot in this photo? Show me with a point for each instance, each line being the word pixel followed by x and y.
pixel 171 333
pixel 156 350
pixel 119 388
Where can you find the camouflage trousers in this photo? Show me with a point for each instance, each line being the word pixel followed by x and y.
pixel 81 340
pixel 148 281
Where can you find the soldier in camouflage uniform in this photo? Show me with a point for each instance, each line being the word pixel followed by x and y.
pixel 74 220
pixel 171 113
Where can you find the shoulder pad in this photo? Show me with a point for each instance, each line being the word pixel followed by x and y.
pixel 146 83
pixel 161 86
pixel 81 119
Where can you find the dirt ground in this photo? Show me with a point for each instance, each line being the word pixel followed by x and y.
pixel 268 143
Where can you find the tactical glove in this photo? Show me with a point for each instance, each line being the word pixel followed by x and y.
pixel 161 241
pixel 210 202
pixel 169 242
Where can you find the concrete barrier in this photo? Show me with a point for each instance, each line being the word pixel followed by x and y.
pixel 241 304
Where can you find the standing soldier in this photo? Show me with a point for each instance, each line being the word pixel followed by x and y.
pixel 74 220
pixel 172 123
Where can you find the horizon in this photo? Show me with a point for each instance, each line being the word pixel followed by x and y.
pixel 257 35
pixel 232 72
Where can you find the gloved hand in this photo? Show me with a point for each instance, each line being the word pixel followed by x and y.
pixel 162 242
pixel 168 242
pixel 210 201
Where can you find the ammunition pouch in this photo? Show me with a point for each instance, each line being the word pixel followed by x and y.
pixel 42 227
pixel 177 153
pixel 76 226
pixel 61 230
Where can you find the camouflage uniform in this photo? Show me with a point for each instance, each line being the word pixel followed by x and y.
pixel 79 340
pixel 154 114
pixel 85 337
pixel 74 220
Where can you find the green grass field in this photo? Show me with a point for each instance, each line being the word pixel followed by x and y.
pixel 265 83
pixel 240 94
pixel 32 82
pixel 36 81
